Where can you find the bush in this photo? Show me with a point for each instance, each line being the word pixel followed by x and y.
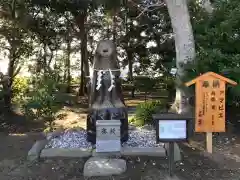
pixel 145 111
pixel 20 87
pixel 75 80
pixel 42 102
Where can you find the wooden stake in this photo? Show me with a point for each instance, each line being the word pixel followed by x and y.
pixel 209 142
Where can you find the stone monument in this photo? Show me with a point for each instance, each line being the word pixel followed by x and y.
pixel 108 136
pixel 105 92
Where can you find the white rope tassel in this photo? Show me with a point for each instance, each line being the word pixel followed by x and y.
pixel 112 81
pixel 99 80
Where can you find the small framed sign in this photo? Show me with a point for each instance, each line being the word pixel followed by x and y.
pixel 171 129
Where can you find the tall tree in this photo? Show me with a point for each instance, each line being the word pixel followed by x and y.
pixel 81 20
pixel 16 41
pixel 185 49
pixel 67 71
pixel 79 12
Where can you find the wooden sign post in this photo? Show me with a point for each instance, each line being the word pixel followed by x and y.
pixel 210 104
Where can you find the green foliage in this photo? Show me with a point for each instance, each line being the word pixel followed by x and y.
pixel 20 87
pixel 127 87
pixel 109 5
pixel 145 111
pixel 217 44
pixel 145 83
pixel 75 80
pixel 42 102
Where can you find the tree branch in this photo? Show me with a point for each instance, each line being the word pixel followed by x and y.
pixel 4 47
pixel 50 59
pixel 70 22
pixel 16 72
pixel 148 7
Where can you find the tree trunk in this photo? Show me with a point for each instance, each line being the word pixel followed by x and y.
pixel 129 56
pixel 185 50
pixel 130 70
pixel 8 86
pixel 114 24
pixel 83 35
pixel 68 66
pixel 44 65
pixel 86 62
pixel 81 89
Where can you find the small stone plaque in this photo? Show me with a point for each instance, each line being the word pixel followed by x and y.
pixel 108 136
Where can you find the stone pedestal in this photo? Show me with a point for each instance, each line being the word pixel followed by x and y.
pixel 107 113
pixel 108 136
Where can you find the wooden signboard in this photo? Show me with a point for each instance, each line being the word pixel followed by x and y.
pixel 210 102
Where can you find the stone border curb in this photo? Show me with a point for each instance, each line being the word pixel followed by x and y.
pixel 148 151
pixel 35 151
pixel 60 152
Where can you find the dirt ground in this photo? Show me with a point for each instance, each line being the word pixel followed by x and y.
pixel 223 164
pixel 195 165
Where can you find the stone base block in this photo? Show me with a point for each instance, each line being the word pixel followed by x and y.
pixel 60 152
pixel 146 151
pixel 99 166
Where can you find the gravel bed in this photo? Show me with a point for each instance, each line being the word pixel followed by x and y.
pixel 142 138
pixel 77 139
pixel 70 139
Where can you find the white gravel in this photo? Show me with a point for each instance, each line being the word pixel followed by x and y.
pixel 77 139
pixel 142 138
pixel 70 139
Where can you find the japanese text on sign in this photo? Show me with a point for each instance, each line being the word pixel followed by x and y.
pixel 210 102
pixel 108 135
pixel 108 131
pixel 211 94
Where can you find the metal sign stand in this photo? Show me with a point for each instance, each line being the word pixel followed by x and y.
pixel 170 129
pixel 171 158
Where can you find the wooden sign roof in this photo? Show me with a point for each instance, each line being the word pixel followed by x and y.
pixel 205 75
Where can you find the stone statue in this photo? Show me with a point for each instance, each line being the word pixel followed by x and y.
pixel 105 94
